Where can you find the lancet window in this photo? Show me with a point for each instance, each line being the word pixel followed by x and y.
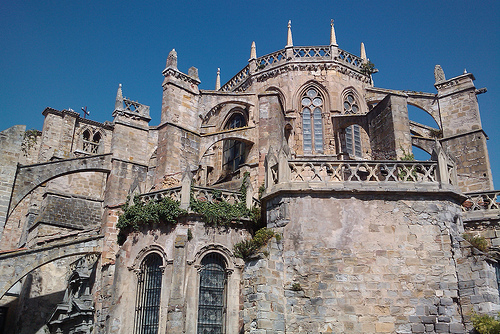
pixel 312 107
pixel 212 295
pixel 353 132
pixel 234 150
pixel 147 312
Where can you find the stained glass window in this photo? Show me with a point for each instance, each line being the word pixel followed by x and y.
pixel 147 310
pixel 211 303
pixel 312 104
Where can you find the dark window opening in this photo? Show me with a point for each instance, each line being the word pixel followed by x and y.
pixel 91 143
pixel 212 303
pixel 147 310
pixel 234 150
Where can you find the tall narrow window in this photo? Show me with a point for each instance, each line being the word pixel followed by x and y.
pixel 353 140
pixel 234 150
pixel 147 310
pixel 212 301
pixel 353 132
pixel 312 104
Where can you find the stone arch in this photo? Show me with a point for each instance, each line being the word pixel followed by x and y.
pixel 145 252
pixel 30 177
pixel 344 95
pixel 15 265
pixel 419 106
pixel 281 97
pixel 225 252
pixel 231 113
pixel 296 104
pixel 215 110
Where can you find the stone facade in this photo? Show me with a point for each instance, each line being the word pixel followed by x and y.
pixel 366 240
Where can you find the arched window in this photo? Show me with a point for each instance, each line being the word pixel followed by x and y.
pixel 353 132
pixel 91 143
pixel 312 104
pixel 212 297
pixel 234 150
pixel 147 312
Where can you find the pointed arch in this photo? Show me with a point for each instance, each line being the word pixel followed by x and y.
pixel 313 103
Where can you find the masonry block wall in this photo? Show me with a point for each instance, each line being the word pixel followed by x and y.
pixel 366 264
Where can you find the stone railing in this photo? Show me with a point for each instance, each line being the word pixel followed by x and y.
pixel 481 201
pixel 235 81
pixel 173 193
pixel 183 195
pixel 363 171
pixel 349 58
pixel 271 59
pixel 301 53
pixel 312 52
pixel 410 174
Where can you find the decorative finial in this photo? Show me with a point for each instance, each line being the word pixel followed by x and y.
pixel 439 74
pixel 363 53
pixel 333 39
pixel 465 71
pixel 119 98
pixel 172 59
pixel 217 81
pixel 289 42
pixel 253 51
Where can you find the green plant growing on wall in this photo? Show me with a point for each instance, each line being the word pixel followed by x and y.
pixel 29 140
pixel 189 234
pixel 296 287
pixel 139 213
pixel 245 249
pixel 486 324
pixel 219 212
pixel 368 68
pixel 403 173
pixel 477 241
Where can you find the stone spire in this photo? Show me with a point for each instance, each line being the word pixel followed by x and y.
pixel 172 59
pixel 439 73
pixel 333 38
pixel 289 42
pixel 217 81
pixel 363 53
pixel 253 51
pixel 119 98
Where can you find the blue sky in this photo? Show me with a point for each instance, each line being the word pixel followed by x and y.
pixel 69 54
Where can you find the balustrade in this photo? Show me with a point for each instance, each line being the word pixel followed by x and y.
pixel 481 201
pixel 200 193
pixel 363 171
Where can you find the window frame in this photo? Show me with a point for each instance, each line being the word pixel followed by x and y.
pixel 144 283
pixel 220 327
pixel 313 132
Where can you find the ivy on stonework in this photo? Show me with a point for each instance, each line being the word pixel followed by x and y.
pixel 139 213
pixel 167 211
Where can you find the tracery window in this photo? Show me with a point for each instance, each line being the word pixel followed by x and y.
pixel 212 297
pixel 147 310
pixel 312 104
pixel 91 142
pixel 353 132
pixel 234 150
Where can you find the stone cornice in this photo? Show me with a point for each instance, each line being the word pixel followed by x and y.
pixel 169 71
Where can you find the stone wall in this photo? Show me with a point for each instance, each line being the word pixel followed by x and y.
pixel 10 151
pixel 70 211
pixel 364 264
pixel 182 252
